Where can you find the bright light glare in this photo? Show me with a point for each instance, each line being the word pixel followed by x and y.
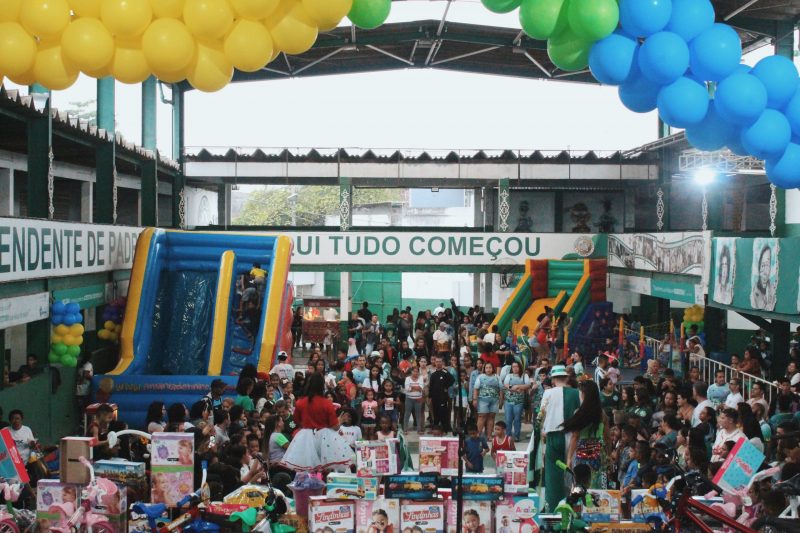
pixel 705 176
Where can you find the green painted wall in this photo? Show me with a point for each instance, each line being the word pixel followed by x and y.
pixel 383 290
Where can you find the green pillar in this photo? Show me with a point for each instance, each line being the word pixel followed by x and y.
pixel 558 209
pixel 712 321
pixel 149 114
pixel 38 334
pixel 105 155
pixel 504 205
pixel 784 46
pixel 178 140
pixel 345 203
pixel 40 143
pixel 149 192
pixel 780 337
pixel 664 129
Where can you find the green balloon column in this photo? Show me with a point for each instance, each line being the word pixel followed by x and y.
pixel 67 336
pixel 693 316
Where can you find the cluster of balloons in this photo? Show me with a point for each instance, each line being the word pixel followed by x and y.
pixel 693 316
pixel 112 321
pixel 67 335
pixel 670 55
pixel 570 27
pixel 52 41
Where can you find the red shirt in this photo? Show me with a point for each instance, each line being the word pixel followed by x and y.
pixel 318 413
pixel 493 358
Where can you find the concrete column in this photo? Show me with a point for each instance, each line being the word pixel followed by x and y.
pixel 477 222
pixel 178 141
pixel 503 206
pixel 6 192
pixel 476 289
pixel 105 153
pixel 87 196
pixel 224 205
pixel 40 142
pixel 488 286
pixel 345 305
pixel 149 115
pixel 345 203
pixel 489 206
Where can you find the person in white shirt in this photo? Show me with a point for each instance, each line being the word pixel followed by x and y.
pixel 700 391
pixel 438 310
pixel 22 435
pixel 757 396
pixel 735 396
pixel 726 431
pixel 350 432
pixel 491 338
pixel 283 369
pixel 441 335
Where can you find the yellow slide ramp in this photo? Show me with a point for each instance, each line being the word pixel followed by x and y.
pixel 537 308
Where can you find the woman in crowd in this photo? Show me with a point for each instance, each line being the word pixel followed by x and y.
pixel 487 399
pixel 155 417
pixel 414 388
pixel 517 386
pixel 589 434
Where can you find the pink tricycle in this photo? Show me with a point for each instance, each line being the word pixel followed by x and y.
pixel 13 520
pixel 82 518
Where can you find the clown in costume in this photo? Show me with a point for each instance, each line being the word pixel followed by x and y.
pixel 558 404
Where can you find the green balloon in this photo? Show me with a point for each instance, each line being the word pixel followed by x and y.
pixel 568 52
pixel 59 348
pixel 73 351
pixel 369 14
pixel 501 6
pixel 593 20
pixel 53 358
pixel 541 19
pixel 69 362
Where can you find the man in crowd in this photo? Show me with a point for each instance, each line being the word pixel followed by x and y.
pixel 719 390
pixel 440 382
pixel 283 369
pixel 700 391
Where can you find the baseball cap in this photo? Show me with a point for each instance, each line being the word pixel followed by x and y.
pixel 282 355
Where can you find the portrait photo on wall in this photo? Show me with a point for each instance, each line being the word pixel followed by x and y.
pixel 764 274
pixel 724 270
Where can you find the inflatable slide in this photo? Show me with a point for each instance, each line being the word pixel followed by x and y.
pixel 184 323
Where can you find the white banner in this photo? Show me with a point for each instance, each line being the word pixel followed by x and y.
pixel 24 309
pixel 32 249
pixel 443 248
pixel 671 253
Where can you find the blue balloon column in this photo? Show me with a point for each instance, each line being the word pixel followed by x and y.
pixel 112 321
pixel 67 336
pixel 670 55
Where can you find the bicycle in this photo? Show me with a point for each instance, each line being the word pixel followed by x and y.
pixel 274 506
pixel 82 518
pixel 14 520
pixel 789 519
pixel 570 507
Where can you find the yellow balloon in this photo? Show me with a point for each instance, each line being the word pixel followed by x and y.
pixel 169 76
pixel 103 334
pixel 294 33
pixel 211 70
pixel 26 78
pixel 112 336
pixel 45 19
pixel 78 340
pixel 69 340
pixel 109 325
pixel 76 330
pixel 248 45
pixel 254 9
pixel 61 329
pixel 126 18
pixel 327 13
pixel 86 8
pixel 167 9
pixel 52 70
pixel 9 10
pixel 168 46
pixel 88 44
pixel 55 339
pixel 129 64
pixel 117 328
pixel 208 19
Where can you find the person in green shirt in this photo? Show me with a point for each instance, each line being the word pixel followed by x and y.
pixel 609 397
pixel 243 390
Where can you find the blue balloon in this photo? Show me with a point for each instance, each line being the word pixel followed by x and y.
pixel 769 136
pixel 716 52
pixel 690 18
pixel 57 319
pixel 735 145
pixel 77 318
pixel 72 308
pixel 664 57
pixel 779 76
pixel 67 320
pixel 683 103
pixel 741 98
pixel 611 60
pixel 784 171
pixel 792 112
pixel 713 133
pixel 639 94
pixel 642 18
pixel 57 308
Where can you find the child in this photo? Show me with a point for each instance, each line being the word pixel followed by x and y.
pixel 501 441
pixel 476 448
pixel 389 402
pixel 347 430
pixel 472 522
pixel 259 278
pixel 369 415
pixel 385 430
pixel 437 431
pixel 612 372
pixel 380 522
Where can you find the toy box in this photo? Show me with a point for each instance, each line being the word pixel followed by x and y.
pixel 477 517
pixel 352 487
pixel 137 523
pixel 130 474
pixel 648 505
pixel 609 507
pixel 378 458
pixel 740 466
pixel 481 487
pixel 52 492
pixel 519 513
pixel 114 506
pixel 172 466
pixel 513 466
pixel 377 516
pixel 439 455
pixel 412 486
pixel 337 515
pixel 427 516
pixel 11 465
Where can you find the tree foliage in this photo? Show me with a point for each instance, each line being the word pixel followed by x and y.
pixel 273 206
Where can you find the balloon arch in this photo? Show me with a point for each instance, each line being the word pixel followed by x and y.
pixel 668 55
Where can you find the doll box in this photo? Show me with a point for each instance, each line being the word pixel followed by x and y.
pixel 438 455
pixel 115 508
pixel 513 466
pixel 477 517
pixel 336 515
pixel 378 458
pixel 352 487
pixel 427 516
pixel 50 492
pixel 377 516
pixel 520 513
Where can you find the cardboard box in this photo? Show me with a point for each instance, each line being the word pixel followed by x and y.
pixel 72 448
pixel 378 458
pixel 740 466
pixel 438 455
pixel 513 466
pixel 477 517
pixel 481 487
pixel 374 516
pixel 520 513
pixel 11 465
pixel 337 515
pixel 128 473
pixel 52 492
pixel 352 487
pixel 172 466
pixel 411 486
pixel 429 516
pixel 609 507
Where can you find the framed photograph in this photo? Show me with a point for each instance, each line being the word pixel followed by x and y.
pixel 764 274
pixel 724 270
